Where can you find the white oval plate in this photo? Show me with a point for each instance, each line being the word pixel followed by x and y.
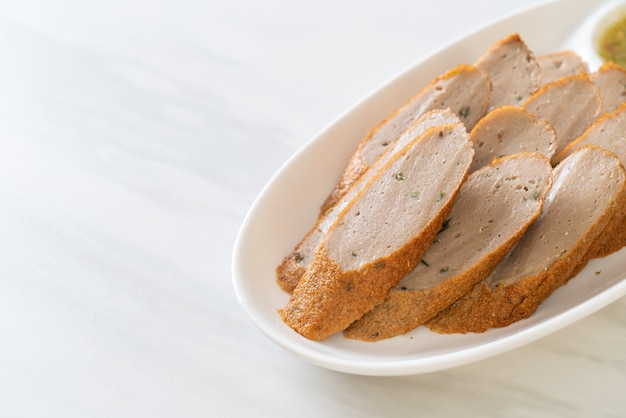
pixel 287 207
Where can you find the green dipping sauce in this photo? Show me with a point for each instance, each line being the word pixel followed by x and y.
pixel 613 43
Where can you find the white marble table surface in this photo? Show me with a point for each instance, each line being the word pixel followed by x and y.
pixel 135 136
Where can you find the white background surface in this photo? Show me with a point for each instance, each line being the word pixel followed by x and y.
pixel 135 136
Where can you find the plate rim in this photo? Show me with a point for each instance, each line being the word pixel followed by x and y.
pixel 411 366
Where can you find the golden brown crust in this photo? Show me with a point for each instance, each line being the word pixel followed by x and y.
pixel 357 166
pixel 560 64
pixel 330 296
pixel 584 137
pixel 613 237
pixel 289 272
pixel 406 309
pixel 515 74
pixel 521 132
pixel 483 308
pixel 578 115
pixel 464 304
pixel 328 300
pixel 613 89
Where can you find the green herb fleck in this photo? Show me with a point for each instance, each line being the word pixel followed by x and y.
pixel 400 176
pixel 415 195
pixel 519 98
pixel 425 263
pixel 444 270
pixel 536 195
pixel 464 112
pixel 441 195
pixel 353 254
pixel 299 258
